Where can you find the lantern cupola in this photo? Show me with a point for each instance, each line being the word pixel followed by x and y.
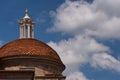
pixel 26 26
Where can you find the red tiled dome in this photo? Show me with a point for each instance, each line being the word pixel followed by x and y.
pixel 30 47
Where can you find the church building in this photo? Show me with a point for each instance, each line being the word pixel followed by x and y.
pixel 28 58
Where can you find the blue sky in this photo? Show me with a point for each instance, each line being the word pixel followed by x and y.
pixel 85 33
pixel 12 11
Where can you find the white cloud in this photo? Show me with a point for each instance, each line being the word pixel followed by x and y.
pixel 78 47
pixel 105 61
pixel 79 17
pixel 76 76
pixel 109 7
pixel 83 20
pixel 83 50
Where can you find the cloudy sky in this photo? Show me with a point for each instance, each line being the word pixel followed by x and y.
pixel 85 33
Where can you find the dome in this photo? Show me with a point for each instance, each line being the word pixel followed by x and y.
pixel 27 53
pixel 28 46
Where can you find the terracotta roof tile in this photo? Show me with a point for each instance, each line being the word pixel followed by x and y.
pixel 28 47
